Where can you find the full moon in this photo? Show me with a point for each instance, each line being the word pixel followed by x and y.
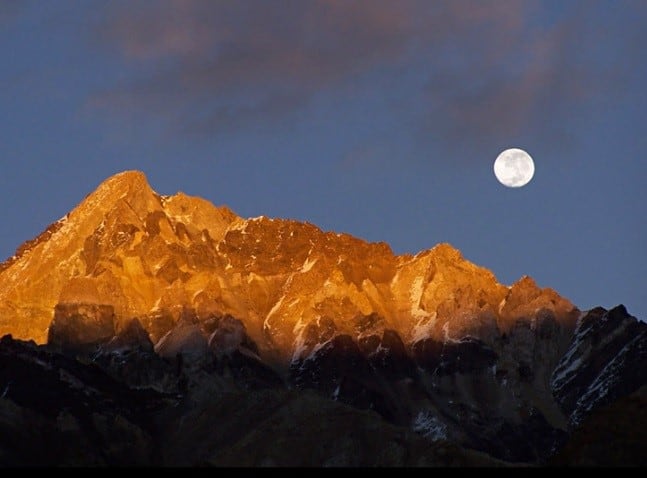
pixel 514 168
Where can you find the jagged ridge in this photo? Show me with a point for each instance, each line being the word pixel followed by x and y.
pixel 150 256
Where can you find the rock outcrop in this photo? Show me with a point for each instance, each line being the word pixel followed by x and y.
pixel 605 361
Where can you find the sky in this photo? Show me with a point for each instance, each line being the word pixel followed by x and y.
pixel 377 118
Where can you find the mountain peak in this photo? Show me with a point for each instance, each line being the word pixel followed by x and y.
pixel 445 251
pixel 142 255
pixel 525 282
pixel 132 177
pixel 130 187
pixel 90 253
pixel 124 185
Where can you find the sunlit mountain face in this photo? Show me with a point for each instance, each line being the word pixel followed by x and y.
pixel 136 312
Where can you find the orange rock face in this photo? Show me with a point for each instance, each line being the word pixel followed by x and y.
pixel 154 257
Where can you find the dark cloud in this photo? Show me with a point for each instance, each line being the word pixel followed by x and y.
pixel 487 69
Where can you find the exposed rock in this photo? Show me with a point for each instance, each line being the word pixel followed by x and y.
pixel 57 411
pixel 337 360
pixel 129 357
pixel 305 430
pixel 604 362
pixel 230 335
pixel 84 417
pixel 427 353
pixel 81 327
pixel 389 356
pixel 466 356
pixel 132 337
pixel 185 339
pixel 613 435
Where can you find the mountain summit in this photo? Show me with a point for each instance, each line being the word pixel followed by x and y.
pixel 155 257
pixel 167 292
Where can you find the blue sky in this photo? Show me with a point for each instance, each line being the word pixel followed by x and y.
pixel 377 118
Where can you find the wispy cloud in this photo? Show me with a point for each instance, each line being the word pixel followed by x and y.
pixel 488 69
pixel 507 81
pixel 251 58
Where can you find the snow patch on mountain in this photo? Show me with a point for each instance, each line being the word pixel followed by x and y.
pixel 274 308
pixel 429 426
pixel 424 320
pixel 299 342
pixel 447 338
pixel 606 382
pixel 570 363
pixel 423 328
pixel 564 372
pixel 308 264
pixel 415 295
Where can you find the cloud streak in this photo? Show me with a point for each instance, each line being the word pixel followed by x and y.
pixel 485 71
pixel 249 59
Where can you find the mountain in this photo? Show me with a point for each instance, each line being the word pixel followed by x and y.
pixel 176 295
pixel 612 435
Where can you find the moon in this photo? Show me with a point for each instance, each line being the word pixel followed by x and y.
pixel 514 168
